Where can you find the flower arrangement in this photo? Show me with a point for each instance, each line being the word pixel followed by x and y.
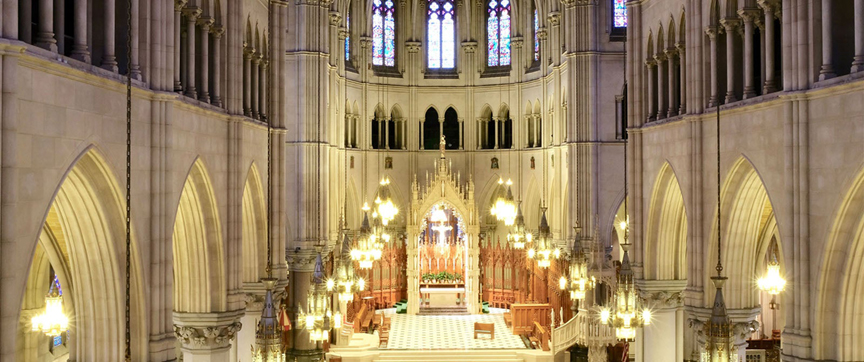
pixel 441 277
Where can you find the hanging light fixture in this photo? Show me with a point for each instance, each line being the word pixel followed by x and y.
pixel 544 251
pixel 52 321
pixel 366 252
pixel 719 343
pixel 518 236
pixel 627 314
pixel 317 317
pixel 579 282
pixel 385 207
pixel 347 282
pixel 505 209
pixel 772 282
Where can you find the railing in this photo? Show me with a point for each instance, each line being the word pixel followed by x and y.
pixel 524 316
pixel 584 329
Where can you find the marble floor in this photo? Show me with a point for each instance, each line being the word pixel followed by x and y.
pixel 452 332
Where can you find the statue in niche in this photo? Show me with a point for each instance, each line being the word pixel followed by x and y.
pixel 388 162
pixel 494 163
pixel 532 162
pixel 352 162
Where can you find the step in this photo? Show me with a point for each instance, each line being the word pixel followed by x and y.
pixel 448 355
pixel 443 311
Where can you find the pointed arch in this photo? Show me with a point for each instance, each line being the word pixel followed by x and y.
pixel 254 228
pixel 431 132
pixel 199 271
pixel 451 129
pixel 747 213
pixel 670 40
pixel 83 239
pixel 839 333
pixel 660 40
pixel 650 45
pixel 666 236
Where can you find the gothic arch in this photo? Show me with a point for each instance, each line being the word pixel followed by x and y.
pixel 199 271
pixel 747 213
pixel 254 226
pixel 83 239
pixel 666 236
pixel 839 333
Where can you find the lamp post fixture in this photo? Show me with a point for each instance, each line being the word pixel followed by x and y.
pixel 579 282
pixel 627 314
pixel 545 251
pixel 317 318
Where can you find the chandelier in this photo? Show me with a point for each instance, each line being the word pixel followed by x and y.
pixel 772 282
pixel 53 322
pixel 579 282
pixel 268 334
pixel 545 252
pixel 347 283
pixel 367 250
pixel 627 314
pixel 504 208
pixel 385 207
pixel 318 316
pixel 517 236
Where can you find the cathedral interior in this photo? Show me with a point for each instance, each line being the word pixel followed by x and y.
pixel 432 180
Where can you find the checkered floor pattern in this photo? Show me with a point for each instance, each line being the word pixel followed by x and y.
pixel 449 332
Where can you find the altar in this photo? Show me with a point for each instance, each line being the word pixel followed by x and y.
pixel 442 296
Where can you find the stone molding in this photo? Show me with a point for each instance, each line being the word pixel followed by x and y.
pixel 469 46
pixel 413 46
pixel 206 330
pixel 662 293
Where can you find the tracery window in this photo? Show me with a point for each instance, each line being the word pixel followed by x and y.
pixel 348 37
pixel 619 14
pixel 441 24
pixel 536 36
pixel 498 33
pixel 383 33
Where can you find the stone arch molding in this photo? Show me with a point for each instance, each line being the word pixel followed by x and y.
pixel 83 237
pixel 197 245
pixel 254 228
pixel 446 187
pixel 840 333
pixel 666 235
pixel 747 216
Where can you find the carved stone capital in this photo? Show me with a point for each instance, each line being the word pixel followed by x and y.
pixel 365 42
pixel 516 42
pixel 335 18
pixel 217 31
pixel 192 12
pixel 650 62
pixel 554 18
pixel 732 26
pixel 206 330
pixel 712 31
pixel 681 47
pixel 671 52
pixel 469 46
pixel 568 3
pixel 660 57
pixel 205 22
pixel 413 46
pixel 343 33
pixel 664 299
pixel 771 6
pixel 750 14
pixel 179 4
pixel 542 34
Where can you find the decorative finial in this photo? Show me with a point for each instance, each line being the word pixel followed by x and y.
pixel 442 145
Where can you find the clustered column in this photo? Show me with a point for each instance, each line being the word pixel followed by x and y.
pixel 712 31
pixel 178 20
pixel 248 53
pixel 660 58
pixel 204 30
pixel 651 64
pixel 730 25
pixel 682 62
pixel 192 14
pixel 216 89
pixel 671 54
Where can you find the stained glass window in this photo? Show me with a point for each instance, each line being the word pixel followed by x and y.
pixel 442 34
pixel 383 33
pixel 348 37
pixel 619 14
pixel 536 36
pixel 498 33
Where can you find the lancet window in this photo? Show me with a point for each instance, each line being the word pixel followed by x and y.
pixel 498 33
pixel 383 33
pixel 441 27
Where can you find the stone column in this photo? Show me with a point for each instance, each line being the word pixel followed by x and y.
pixel 422 138
pixel 858 61
pixel 663 339
pixel 652 112
pixel 135 64
pixel 79 48
pixel 204 70
pixel 178 20
pixel 262 88
pixel 404 133
pixel 682 78
pixel 256 65
pixel 192 14
pixel 749 16
pixel 671 53
pixel 206 337
pixel 441 127
pixel 386 123
pixel 712 31
pixel 495 121
pixel 109 56
pixel 827 70
pixel 248 53
pixel 730 25
pixel 216 87
pixel 45 35
pixel 768 6
pixel 537 122
pixel 660 58
pixel 461 134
